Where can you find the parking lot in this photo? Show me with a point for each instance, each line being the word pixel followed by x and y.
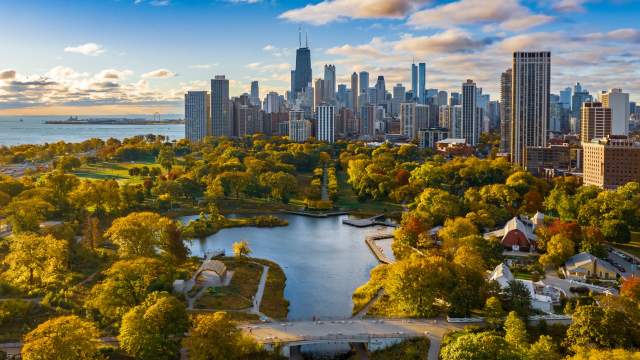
pixel 627 265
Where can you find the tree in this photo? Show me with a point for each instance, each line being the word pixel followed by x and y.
pixel 559 249
pixel 515 331
pixel 91 233
pixel 155 328
pixel 586 353
pixel 62 338
pixel 456 229
pixel 593 242
pixel 166 157
pixel 599 327
pixel 493 312
pixel 517 298
pixel 413 284
pixel 479 346
pixel 126 284
pixel 616 231
pixel 36 261
pixel 241 248
pixel 216 337
pixel 281 185
pixel 631 288
pixel 138 234
pixel 26 215
pixel 543 349
pixel 438 205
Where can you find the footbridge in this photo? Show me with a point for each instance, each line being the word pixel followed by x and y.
pixel 374 220
pixel 373 334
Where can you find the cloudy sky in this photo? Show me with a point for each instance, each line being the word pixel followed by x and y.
pixel 140 56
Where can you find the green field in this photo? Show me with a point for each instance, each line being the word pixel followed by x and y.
pixel 634 246
pixel 116 171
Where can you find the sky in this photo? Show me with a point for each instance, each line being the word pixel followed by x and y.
pixel 61 57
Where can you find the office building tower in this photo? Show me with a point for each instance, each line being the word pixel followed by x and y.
pixel 505 111
pixel 414 80
pixel 442 98
pixel 530 103
pixel 341 96
pixel 326 123
pixel 455 121
pixel 273 103
pixel 380 91
pixel 220 113
pixel 354 92
pixel 454 99
pixel 413 117
pixel 596 121
pixel 197 115
pixel 399 96
pixel 565 98
pixel 319 92
pixel 471 125
pixel 329 83
pixel 618 102
pixel 444 117
pixel 303 74
pixel 292 92
pixel 255 94
pixel 422 83
pixel 367 121
pixel 555 114
pixel 364 82
pixel 579 97
pixel 611 161
pixel 372 96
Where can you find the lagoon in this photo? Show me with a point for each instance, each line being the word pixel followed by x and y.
pixel 324 260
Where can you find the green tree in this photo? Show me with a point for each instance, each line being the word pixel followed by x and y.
pixel 35 262
pixel 126 284
pixel 600 327
pixel 516 297
pixel 26 215
pixel 616 231
pixel 587 353
pixel 155 328
pixel 479 346
pixel 138 234
pixel 455 230
pixel 166 157
pixel 515 331
pixel 241 248
pixel 216 337
pixel 543 349
pixel 493 312
pixel 438 205
pixel 559 249
pixel 62 338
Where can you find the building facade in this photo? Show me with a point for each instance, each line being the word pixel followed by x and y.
pixel 505 111
pixel 618 102
pixel 326 123
pixel 197 115
pixel 221 116
pixel 611 162
pixel 595 122
pixel 470 126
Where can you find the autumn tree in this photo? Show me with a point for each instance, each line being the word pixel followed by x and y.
pixel 241 248
pixel 493 312
pixel 438 205
pixel 26 215
pixel 215 337
pixel 559 249
pixel 631 288
pixel 35 262
pixel 62 338
pixel 600 327
pixel 139 233
pixel 543 349
pixel 479 346
pixel 155 328
pixel 91 233
pixel 515 331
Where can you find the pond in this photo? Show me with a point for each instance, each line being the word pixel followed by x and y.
pixel 324 260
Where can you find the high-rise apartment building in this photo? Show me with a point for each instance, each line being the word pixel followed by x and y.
pixel 413 117
pixel 399 94
pixel 329 83
pixel 422 83
pixel 618 102
pixel 197 115
pixel 380 91
pixel 505 111
pixel 471 125
pixel 455 121
pixel 611 162
pixel 319 92
pixel 220 114
pixel 442 98
pixel 354 92
pixel 273 103
pixel 255 94
pixel 530 103
pixel 326 123
pixel 595 122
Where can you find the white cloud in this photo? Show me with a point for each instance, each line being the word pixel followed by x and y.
pixel 449 41
pixel 89 49
pixel 258 66
pixel 203 66
pixel 159 74
pixel 333 10
pixel 509 14
pixel 570 5
pixel 7 74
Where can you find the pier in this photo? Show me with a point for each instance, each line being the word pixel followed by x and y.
pixel 374 220
pixel 377 251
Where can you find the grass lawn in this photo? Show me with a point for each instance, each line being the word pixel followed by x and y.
pixel 115 171
pixel 274 304
pixel 238 295
pixel 633 247
pixel 348 201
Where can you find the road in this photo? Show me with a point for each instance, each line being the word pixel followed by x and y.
pixel 630 269
pixel 435 329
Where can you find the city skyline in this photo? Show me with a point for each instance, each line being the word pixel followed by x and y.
pixel 118 71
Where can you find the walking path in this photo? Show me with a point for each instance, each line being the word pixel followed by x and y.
pixel 362 313
pixel 257 299
pixel 377 251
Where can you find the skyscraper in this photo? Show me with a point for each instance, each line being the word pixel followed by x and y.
pixel 530 103
pixel 303 73
pixel 579 97
pixel 326 123
pixel 319 92
pixel 413 117
pixel 354 92
pixel 505 111
pixel 292 92
pixel 454 99
pixel 595 122
pixel 364 82
pixel 618 102
pixel 399 95
pixel 565 98
pixel 470 126
pixel 197 115
pixel 422 82
pixel 220 114
pixel 255 94
pixel 442 98
pixel 329 83
pixel 414 80
pixel 380 91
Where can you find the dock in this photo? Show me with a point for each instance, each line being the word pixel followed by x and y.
pixel 317 215
pixel 377 251
pixel 374 220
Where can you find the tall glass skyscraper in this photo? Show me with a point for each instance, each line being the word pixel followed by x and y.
pixel 303 68
pixel 414 80
pixel 220 116
pixel 422 83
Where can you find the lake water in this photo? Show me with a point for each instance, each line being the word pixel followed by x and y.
pixel 33 130
pixel 324 260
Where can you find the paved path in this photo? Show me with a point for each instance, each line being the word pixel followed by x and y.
pixel 297 331
pixel 257 299
pixel 362 313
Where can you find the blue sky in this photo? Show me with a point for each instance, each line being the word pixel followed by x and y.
pixel 128 56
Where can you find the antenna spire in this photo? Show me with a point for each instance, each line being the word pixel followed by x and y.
pixel 306 39
pixel 300 36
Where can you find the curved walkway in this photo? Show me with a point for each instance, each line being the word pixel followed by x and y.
pixel 257 299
